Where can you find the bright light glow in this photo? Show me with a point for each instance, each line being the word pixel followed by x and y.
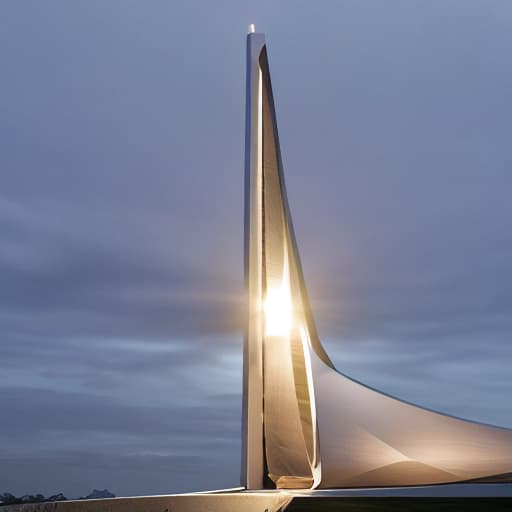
pixel 278 306
pixel 278 312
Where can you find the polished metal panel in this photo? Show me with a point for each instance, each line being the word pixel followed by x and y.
pixel 369 439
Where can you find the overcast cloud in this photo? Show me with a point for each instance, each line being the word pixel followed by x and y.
pixel 121 166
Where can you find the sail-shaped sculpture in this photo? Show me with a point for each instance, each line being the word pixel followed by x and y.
pixel 304 424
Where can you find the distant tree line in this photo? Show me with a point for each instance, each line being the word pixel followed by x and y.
pixel 9 499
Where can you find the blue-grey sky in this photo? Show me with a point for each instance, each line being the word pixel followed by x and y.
pixel 121 165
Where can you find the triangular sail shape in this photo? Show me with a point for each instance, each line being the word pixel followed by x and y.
pixel 304 424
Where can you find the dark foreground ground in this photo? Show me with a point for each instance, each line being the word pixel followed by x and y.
pixel 343 504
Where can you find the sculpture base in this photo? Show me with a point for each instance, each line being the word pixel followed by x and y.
pixel 450 497
pixel 196 502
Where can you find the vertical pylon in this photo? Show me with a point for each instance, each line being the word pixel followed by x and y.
pixel 252 406
pixel 279 427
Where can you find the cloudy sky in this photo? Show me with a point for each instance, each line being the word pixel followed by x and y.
pixel 121 165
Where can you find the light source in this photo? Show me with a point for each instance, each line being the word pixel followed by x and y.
pixel 278 306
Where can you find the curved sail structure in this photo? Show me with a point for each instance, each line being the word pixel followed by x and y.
pixel 305 425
